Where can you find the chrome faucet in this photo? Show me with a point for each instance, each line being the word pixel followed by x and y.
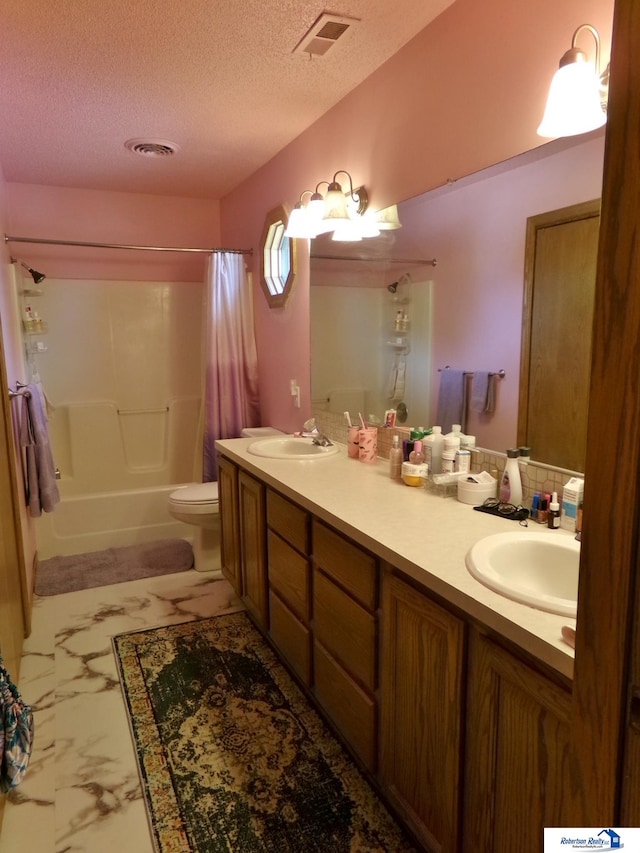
pixel 310 430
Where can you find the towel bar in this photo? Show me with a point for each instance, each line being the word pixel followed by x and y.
pixel 21 391
pixel 143 411
pixel 500 373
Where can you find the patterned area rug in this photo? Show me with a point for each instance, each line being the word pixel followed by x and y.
pixel 113 565
pixel 231 755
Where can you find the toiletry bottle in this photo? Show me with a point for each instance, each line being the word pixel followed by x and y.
pixel 433 446
pixel 553 516
pixel 395 459
pixel 463 461
pixel 448 461
pixel 535 504
pixel 543 510
pixel 510 484
pixel 416 457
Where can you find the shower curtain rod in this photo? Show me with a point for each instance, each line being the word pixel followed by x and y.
pixel 9 239
pixel 430 261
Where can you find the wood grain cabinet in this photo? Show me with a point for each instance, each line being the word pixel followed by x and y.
pixel 467 740
pixel 517 766
pixel 421 690
pixel 345 596
pixel 253 547
pixel 289 571
pixel 229 522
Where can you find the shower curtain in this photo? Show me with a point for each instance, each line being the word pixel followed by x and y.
pixel 231 399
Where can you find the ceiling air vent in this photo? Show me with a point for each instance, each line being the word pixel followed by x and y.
pixel 152 147
pixel 323 34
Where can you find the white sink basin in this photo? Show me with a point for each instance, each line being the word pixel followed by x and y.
pixel 538 569
pixel 289 447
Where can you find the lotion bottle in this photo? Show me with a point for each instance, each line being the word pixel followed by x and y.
pixel 511 484
pixel 395 459
pixel 433 446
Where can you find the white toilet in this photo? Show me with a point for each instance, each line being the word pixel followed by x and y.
pixel 197 504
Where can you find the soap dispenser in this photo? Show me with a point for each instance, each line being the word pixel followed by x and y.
pixel 511 484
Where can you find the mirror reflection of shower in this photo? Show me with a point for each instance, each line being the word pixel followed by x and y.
pixel 404 279
pixel 35 275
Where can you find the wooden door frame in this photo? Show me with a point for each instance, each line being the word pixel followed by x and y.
pixel 611 522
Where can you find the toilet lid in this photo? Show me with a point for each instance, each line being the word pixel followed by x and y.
pixel 195 493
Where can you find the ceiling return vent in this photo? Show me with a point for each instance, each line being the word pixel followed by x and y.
pixel 323 34
pixel 152 147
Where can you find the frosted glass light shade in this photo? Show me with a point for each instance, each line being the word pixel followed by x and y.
pixel 299 224
pixel 348 232
pixel 573 104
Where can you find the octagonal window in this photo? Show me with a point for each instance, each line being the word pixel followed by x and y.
pixel 277 263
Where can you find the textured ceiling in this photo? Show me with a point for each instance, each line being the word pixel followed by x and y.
pixel 218 77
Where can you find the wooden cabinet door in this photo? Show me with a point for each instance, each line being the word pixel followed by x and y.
pixel 253 547
pixel 517 753
pixel 229 522
pixel 421 713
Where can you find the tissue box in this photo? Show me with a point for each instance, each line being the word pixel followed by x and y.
pixel 474 489
pixel 571 499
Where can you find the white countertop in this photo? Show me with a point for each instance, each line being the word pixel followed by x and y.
pixel 423 535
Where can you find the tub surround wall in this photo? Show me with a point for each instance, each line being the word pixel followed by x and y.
pixel 124 388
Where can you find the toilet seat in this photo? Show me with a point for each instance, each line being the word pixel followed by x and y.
pixel 196 497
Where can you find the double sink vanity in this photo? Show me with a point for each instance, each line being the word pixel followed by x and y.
pixel 453 698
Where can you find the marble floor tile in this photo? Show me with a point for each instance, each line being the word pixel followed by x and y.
pixel 81 793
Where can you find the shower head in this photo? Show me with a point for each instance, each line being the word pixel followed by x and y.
pixel 35 275
pixel 392 287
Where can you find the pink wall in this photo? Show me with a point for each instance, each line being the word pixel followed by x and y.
pixel 467 92
pixel 61 213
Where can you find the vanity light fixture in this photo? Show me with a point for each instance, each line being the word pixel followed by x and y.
pixel 578 93
pixel 337 211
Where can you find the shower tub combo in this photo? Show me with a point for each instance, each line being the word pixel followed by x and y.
pixel 117 470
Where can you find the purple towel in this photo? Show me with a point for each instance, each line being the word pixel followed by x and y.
pixel 40 474
pixel 452 399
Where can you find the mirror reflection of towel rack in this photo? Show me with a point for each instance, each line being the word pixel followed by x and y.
pixel 499 373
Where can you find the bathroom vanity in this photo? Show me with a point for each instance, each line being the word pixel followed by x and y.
pixel 453 699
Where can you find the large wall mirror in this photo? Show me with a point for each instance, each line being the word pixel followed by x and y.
pixel 385 322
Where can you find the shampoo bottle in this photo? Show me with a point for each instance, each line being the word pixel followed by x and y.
pixel 433 445
pixel 511 484
pixel 395 459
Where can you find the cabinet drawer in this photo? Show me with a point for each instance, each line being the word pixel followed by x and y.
pixel 289 575
pixel 345 629
pixel 291 637
pixel 352 567
pixel 352 710
pixel 287 519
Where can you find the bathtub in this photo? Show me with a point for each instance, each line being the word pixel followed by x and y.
pixel 117 470
pixel 92 522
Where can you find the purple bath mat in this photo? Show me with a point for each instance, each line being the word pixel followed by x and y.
pixel 114 565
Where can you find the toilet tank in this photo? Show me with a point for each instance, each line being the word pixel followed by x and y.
pixel 260 432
